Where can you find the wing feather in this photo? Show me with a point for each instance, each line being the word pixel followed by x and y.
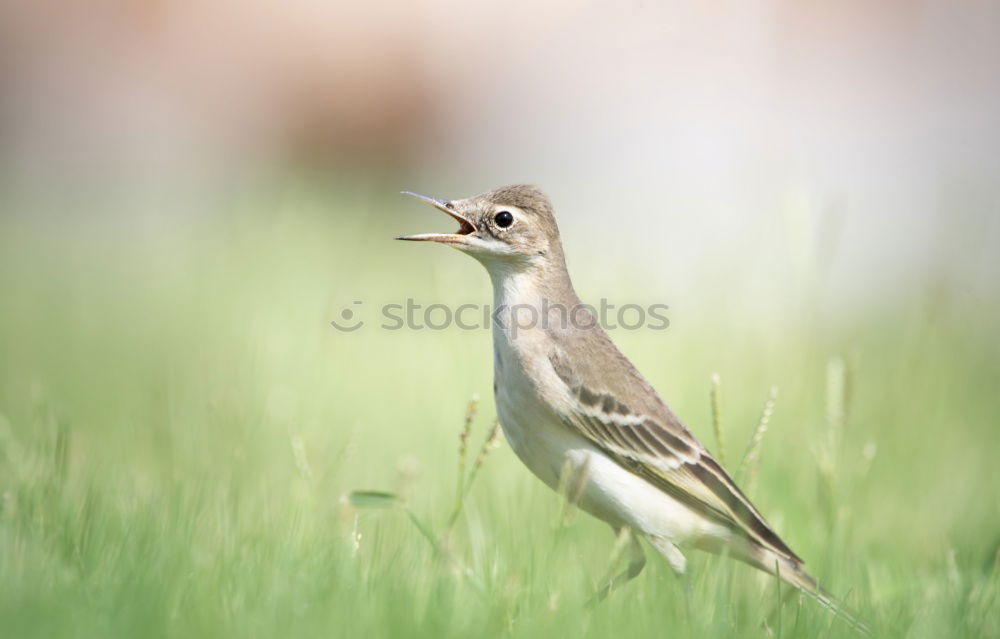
pixel 665 453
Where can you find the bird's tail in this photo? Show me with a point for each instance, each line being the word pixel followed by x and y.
pixel 793 572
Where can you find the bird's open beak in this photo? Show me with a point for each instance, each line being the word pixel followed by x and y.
pixel 461 236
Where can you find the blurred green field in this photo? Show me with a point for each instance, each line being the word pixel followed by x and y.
pixel 180 426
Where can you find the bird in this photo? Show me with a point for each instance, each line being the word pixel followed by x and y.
pixel 569 401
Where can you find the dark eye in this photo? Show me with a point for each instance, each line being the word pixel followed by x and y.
pixel 504 219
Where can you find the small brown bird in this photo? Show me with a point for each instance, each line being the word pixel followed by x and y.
pixel 569 401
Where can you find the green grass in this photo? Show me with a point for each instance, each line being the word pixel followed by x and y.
pixel 180 429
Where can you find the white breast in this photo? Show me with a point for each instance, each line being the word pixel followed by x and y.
pixel 525 416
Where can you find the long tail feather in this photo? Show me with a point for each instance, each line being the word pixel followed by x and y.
pixel 793 573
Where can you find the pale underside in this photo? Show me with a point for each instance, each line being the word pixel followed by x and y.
pixel 609 492
pixel 641 468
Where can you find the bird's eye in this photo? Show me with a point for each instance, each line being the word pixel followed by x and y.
pixel 504 219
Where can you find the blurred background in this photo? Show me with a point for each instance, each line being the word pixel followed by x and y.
pixel 686 133
pixel 191 191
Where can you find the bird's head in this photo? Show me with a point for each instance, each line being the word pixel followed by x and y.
pixel 512 226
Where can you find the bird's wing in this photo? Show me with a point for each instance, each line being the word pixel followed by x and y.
pixel 650 441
